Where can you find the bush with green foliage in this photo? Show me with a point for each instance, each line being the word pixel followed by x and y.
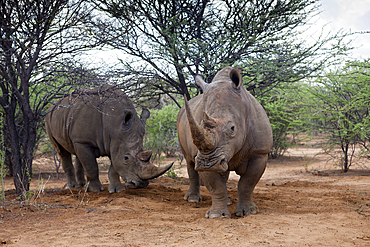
pixel 342 109
pixel 161 131
pixel 286 109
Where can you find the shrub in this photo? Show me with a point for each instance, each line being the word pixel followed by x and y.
pixel 342 110
pixel 286 109
pixel 161 131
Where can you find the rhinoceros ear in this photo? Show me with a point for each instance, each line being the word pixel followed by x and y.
pixel 200 82
pixel 145 114
pixel 127 123
pixel 236 78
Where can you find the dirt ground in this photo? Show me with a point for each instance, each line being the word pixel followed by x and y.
pixel 303 201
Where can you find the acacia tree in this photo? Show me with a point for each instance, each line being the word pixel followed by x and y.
pixel 286 106
pixel 168 42
pixel 37 41
pixel 341 101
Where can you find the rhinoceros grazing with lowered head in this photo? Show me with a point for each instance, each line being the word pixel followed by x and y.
pixel 101 122
pixel 224 129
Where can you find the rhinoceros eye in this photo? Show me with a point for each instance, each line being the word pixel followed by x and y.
pixel 231 130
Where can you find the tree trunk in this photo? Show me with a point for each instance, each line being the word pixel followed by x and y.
pixel 345 162
pixel 22 143
pixel 20 173
pixel 184 88
pixel 5 145
pixel 8 161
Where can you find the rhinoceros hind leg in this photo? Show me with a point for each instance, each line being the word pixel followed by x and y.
pixel 193 194
pixel 115 184
pixel 246 185
pixel 68 168
pixel 80 174
pixel 216 185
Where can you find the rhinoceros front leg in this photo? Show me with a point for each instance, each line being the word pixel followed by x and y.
pixel 247 182
pixel 80 174
pixel 193 194
pixel 115 184
pixel 216 185
pixel 86 156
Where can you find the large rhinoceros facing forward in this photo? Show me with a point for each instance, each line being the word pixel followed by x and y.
pixel 224 129
pixel 101 122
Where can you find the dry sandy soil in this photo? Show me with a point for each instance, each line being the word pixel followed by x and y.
pixel 303 201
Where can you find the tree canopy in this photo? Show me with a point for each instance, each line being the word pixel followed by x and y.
pixel 168 42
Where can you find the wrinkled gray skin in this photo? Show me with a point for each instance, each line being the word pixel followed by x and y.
pixel 101 122
pixel 224 129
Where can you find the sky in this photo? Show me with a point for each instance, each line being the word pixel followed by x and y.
pixel 349 15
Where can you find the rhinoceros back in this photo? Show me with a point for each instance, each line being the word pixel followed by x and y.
pixel 79 118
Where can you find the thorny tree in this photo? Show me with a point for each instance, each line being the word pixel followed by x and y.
pixel 37 41
pixel 171 41
pixel 342 110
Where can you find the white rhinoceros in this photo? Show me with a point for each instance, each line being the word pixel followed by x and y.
pixel 224 129
pixel 101 122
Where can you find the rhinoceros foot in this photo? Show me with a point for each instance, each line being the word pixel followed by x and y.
pixel 116 187
pixel 95 185
pixel 228 202
pixel 81 181
pixel 71 185
pixel 242 210
pixel 217 213
pixel 192 197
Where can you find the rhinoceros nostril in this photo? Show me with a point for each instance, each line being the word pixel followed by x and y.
pixel 131 185
pixel 223 164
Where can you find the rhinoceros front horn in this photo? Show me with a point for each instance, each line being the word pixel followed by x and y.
pixel 202 139
pixel 150 171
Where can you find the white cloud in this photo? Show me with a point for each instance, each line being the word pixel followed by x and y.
pixel 348 15
pixel 363 22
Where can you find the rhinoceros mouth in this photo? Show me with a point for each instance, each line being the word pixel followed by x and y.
pixel 212 162
pixel 137 184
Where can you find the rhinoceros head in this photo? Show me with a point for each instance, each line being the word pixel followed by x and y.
pixel 124 132
pixel 221 133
